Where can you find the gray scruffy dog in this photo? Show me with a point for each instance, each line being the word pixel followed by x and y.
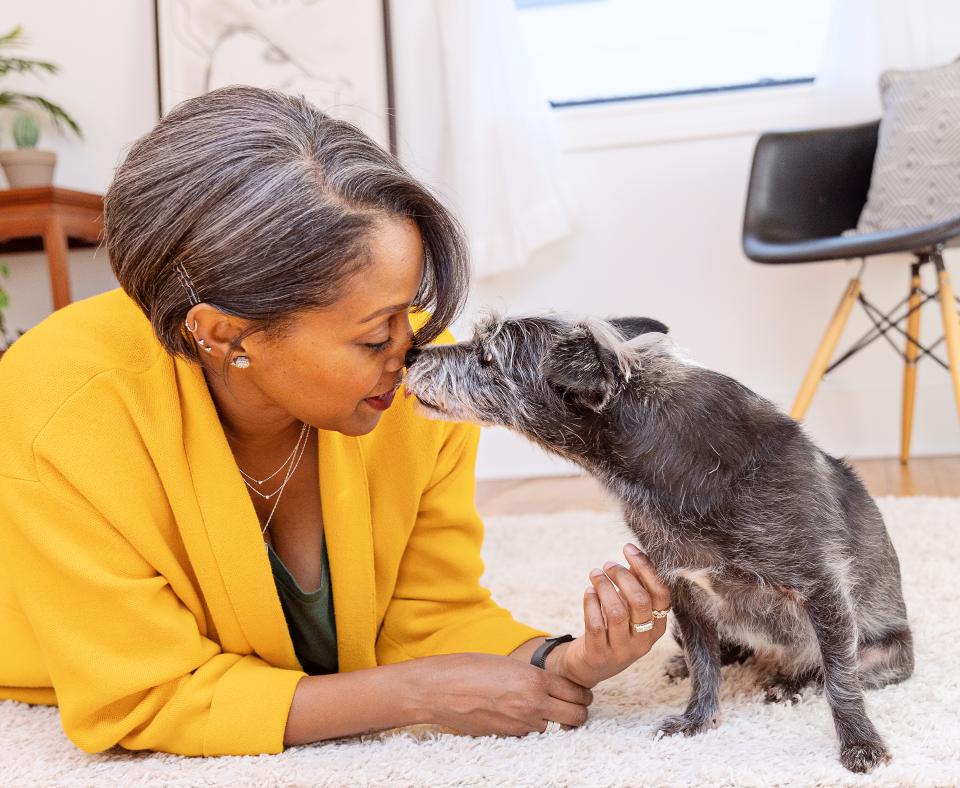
pixel 771 546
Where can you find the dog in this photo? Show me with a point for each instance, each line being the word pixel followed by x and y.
pixel 771 547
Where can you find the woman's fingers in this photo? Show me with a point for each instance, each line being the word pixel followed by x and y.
pixel 567 701
pixel 637 599
pixel 617 598
pixel 594 630
pixel 659 593
pixel 572 714
pixel 615 610
pixel 562 689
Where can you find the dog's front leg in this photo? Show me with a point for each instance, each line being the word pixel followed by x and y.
pixel 861 747
pixel 701 647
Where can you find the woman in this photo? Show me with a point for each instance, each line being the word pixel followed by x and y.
pixel 219 533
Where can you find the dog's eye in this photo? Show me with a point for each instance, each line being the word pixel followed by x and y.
pixel 486 358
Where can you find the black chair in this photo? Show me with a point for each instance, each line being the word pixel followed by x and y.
pixel 806 188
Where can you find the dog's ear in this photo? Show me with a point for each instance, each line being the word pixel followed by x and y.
pixel 577 363
pixel 632 327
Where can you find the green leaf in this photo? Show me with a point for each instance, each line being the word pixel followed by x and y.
pixel 19 65
pixel 11 38
pixel 4 269
pixel 4 300
pixel 59 115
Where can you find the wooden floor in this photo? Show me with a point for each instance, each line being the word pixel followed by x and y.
pixel 923 476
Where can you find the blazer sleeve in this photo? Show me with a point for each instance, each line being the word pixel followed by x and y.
pixel 438 605
pixel 126 657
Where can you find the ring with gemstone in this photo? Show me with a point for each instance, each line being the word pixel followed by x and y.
pixel 646 626
pixel 660 613
pixel 552 727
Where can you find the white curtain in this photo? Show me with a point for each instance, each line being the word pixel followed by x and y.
pixel 472 124
pixel 867 37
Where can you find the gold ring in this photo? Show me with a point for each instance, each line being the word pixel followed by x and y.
pixel 646 626
pixel 660 613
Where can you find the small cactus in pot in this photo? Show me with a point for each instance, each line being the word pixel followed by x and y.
pixel 26 131
pixel 25 165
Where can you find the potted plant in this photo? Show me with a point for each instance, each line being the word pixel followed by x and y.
pixel 26 166
pixel 5 341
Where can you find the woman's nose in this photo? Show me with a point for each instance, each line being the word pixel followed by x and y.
pixel 411 356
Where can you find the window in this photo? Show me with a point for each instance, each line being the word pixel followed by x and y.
pixel 601 51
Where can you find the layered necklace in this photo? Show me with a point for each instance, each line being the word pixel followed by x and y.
pixel 293 460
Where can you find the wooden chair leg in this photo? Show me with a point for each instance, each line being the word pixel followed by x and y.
pixel 824 352
pixel 951 326
pixel 55 245
pixel 911 351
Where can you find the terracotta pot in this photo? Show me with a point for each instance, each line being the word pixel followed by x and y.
pixel 28 167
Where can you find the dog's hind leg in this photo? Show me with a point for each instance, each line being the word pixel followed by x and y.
pixel 887 659
pixel 701 646
pixel 861 747
pixel 730 654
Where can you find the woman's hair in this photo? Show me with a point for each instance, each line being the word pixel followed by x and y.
pixel 266 203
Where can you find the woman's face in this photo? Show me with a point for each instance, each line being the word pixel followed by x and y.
pixel 331 363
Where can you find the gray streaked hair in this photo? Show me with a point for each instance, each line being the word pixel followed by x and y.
pixel 265 203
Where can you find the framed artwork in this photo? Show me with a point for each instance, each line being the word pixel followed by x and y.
pixel 334 52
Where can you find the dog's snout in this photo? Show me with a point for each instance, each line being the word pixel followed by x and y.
pixel 411 356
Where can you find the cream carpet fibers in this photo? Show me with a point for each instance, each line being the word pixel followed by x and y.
pixel 537 567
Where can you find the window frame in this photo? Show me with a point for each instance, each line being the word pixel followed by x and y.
pixel 683 114
pixel 631 123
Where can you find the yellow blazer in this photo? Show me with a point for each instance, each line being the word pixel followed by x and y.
pixel 135 590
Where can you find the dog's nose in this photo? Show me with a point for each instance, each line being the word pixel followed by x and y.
pixel 411 356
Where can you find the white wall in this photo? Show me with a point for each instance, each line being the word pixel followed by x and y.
pixel 107 82
pixel 657 233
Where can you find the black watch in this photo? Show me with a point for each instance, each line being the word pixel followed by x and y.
pixel 539 658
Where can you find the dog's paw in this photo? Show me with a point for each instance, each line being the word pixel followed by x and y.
pixel 688 726
pixel 780 693
pixel 676 668
pixel 863 756
pixel 787 689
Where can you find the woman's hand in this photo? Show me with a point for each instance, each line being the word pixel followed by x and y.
pixel 487 694
pixel 609 643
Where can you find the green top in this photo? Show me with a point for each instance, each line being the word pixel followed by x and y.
pixel 310 618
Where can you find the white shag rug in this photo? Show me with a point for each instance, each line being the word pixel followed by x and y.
pixel 537 567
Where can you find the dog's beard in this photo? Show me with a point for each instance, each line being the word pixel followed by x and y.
pixel 437 413
pixel 431 412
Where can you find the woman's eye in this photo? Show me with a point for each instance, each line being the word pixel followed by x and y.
pixel 379 347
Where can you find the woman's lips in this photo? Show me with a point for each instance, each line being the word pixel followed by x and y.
pixel 381 402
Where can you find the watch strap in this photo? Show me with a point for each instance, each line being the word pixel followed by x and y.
pixel 539 658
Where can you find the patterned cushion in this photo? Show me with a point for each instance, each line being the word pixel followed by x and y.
pixel 916 172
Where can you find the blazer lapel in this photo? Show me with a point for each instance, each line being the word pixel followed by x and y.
pixel 236 547
pixel 348 528
pixel 233 547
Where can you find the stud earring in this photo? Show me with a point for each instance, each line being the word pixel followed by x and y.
pixel 241 362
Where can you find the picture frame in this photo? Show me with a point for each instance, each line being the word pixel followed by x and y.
pixel 337 53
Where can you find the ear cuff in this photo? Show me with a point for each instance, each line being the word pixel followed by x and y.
pixel 240 362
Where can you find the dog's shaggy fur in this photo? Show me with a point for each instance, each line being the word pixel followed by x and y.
pixel 771 546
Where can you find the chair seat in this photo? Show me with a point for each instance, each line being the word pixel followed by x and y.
pixel 810 250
